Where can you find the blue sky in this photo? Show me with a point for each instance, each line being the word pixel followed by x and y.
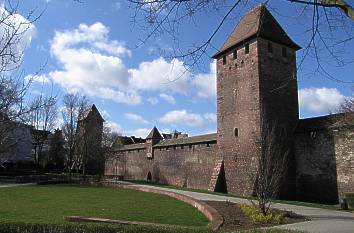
pixel 90 48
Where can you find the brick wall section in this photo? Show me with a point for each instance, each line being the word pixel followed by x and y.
pixel 191 166
pixel 324 160
pixel 132 165
pixel 316 167
pixel 344 150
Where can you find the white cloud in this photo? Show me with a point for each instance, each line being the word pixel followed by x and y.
pixel 135 117
pixel 206 83
pixel 152 100
pixel 91 64
pixel 23 31
pixel 182 117
pixel 117 5
pixel 37 78
pixel 320 100
pixel 161 75
pixel 210 131
pixel 211 117
pixel 140 133
pixel 169 98
pixel 115 127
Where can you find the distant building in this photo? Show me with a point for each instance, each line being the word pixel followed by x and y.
pixel 17 146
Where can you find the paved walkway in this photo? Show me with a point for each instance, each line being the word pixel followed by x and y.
pixel 322 220
pixel 15 185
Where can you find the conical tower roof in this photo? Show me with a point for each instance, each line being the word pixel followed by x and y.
pixel 154 134
pixel 258 22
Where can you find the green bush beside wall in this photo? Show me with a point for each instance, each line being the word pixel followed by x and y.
pixel 350 199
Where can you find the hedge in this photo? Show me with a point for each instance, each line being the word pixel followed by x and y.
pixel 350 199
pixel 57 178
pixel 94 228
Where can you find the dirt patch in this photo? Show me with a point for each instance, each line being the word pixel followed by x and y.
pixel 234 219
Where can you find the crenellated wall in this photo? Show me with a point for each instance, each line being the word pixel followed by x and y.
pixel 189 165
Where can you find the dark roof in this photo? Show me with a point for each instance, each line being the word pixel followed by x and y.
pixel 207 138
pixel 154 134
pixel 258 22
pixel 91 110
pixel 135 146
pixel 125 140
pixel 188 140
pixel 324 122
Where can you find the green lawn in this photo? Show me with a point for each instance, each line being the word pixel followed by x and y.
pixel 49 204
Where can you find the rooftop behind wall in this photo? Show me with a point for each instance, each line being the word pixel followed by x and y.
pixel 327 122
pixel 200 139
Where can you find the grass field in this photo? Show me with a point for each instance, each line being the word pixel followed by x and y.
pixel 49 204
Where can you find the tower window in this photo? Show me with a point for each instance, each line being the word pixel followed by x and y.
pixel 235 93
pixel 270 47
pixel 283 52
pixel 236 133
pixel 224 60
pixel 247 48
pixel 235 54
pixel 313 134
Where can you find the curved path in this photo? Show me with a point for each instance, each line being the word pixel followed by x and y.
pixel 322 220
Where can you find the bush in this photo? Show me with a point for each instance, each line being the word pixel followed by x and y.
pixel 58 179
pixel 350 199
pixel 93 228
pixel 256 216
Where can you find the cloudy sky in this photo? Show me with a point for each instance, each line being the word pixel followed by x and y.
pixel 91 48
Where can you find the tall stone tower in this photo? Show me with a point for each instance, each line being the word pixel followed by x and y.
pixel 256 86
pixel 89 142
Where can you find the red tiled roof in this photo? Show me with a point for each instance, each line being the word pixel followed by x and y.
pixel 258 22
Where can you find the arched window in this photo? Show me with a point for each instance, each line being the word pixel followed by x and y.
pixel 236 132
pixel 149 177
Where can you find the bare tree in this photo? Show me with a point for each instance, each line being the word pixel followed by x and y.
pixel 269 168
pixel 347 108
pixel 43 122
pixel 15 33
pixel 109 139
pixel 56 155
pixel 74 107
pixel 329 19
